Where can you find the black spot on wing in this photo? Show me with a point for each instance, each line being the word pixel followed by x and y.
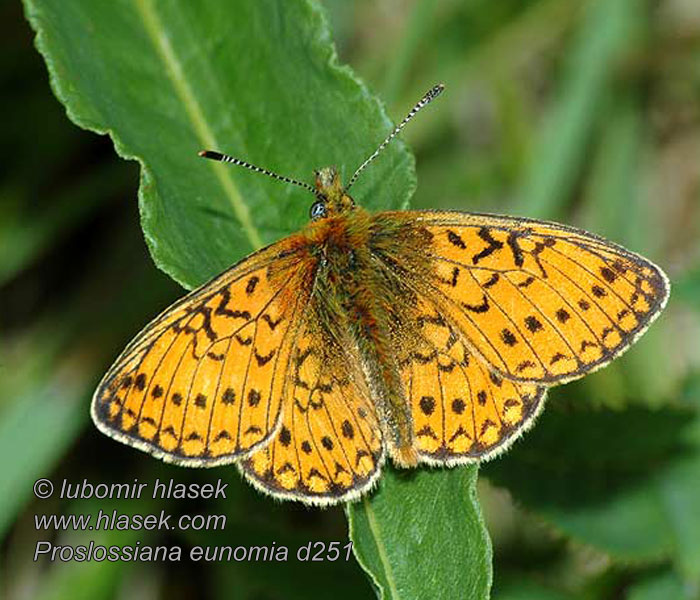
pixel 478 308
pixel 508 337
pixel 251 285
pixel 533 324
pixel 491 281
pixel 427 405
pixel 455 240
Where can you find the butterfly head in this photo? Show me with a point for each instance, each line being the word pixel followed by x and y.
pixel 331 197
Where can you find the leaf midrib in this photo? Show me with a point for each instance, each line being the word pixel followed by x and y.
pixel 383 557
pixel 173 68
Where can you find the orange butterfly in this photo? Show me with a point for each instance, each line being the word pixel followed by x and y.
pixel 427 336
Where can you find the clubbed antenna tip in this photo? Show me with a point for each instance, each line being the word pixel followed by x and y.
pixel 218 156
pixel 430 95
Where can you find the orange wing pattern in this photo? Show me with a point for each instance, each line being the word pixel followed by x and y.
pixel 203 383
pixel 462 412
pixel 536 300
pixel 329 446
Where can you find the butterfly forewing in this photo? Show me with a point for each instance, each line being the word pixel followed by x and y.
pixel 203 383
pixel 536 301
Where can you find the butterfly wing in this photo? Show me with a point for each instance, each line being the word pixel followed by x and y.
pixel 329 447
pixel 461 411
pixel 537 301
pixel 202 384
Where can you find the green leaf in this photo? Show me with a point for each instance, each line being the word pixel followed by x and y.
pixel 421 535
pixel 49 414
pixel 257 79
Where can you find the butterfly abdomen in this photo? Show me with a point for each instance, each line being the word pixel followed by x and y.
pixel 369 323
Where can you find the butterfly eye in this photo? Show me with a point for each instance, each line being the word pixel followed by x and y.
pixel 318 210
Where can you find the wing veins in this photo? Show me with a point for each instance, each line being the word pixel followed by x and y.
pixel 595 277
pixel 589 296
pixel 517 327
pixel 214 400
pixel 571 306
pixel 546 318
pixel 337 437
pixel 245 378
pixel 154 373
pixel 202 293
pixel 409 282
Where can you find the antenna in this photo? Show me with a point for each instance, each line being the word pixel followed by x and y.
pixel 433 93
pixel 236 161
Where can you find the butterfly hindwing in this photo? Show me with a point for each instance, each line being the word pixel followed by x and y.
pixel 202 383
pixel 329 446
pixel 461 411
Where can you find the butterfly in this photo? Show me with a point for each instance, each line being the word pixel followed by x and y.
pixel 428 337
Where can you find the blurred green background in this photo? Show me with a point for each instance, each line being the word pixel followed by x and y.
pixel 583 111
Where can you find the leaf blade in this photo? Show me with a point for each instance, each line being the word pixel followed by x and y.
pixel 401 531
pixel 165 79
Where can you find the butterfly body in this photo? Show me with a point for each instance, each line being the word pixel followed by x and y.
pixel 350 301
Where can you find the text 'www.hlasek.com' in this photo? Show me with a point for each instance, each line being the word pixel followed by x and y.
pixel 128 547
